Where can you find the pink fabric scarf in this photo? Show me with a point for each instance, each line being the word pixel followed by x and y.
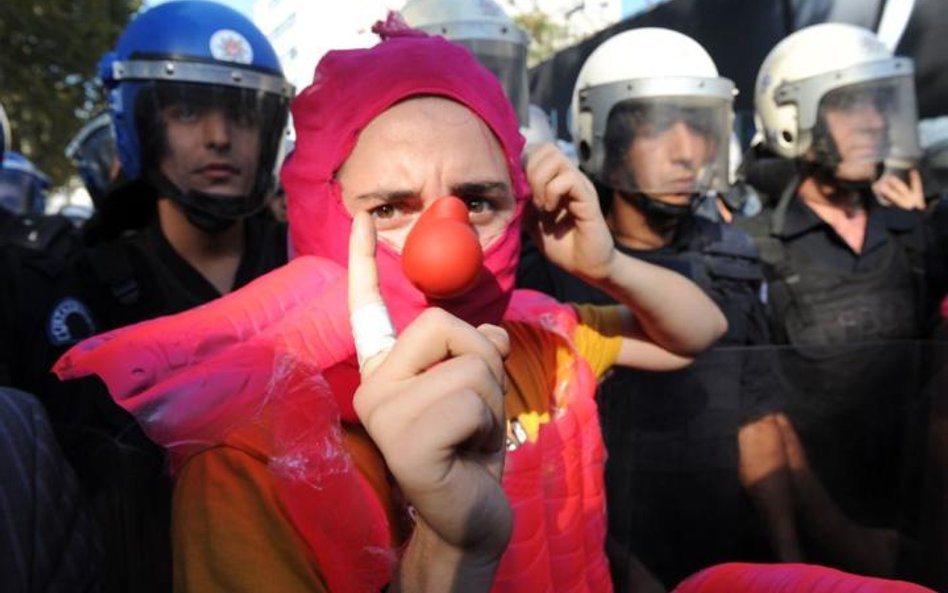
pixel 349 90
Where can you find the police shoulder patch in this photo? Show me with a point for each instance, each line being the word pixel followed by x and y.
pixel 69 322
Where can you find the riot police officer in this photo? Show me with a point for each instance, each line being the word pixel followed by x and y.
pixel 22 185
pixel 199 103
pixel 848 275
pixel 24 226
pixel 654 136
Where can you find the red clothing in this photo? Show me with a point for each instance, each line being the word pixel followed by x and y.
pixel 231 532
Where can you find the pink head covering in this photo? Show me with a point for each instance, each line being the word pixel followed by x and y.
pixel 349 90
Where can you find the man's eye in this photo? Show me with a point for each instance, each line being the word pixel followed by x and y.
pixel 244 119
pixel 184 113
pixel 384 212
pixel 479 205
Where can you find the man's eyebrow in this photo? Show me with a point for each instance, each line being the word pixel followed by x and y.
pixel 480 187
pixel 398 195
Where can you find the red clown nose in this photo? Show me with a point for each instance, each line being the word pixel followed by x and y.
pixel 442 254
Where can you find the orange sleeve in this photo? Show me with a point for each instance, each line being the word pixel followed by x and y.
pixel 228 530
pixel 598 336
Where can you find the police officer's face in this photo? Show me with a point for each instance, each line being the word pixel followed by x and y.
pixel 859 130
pixel 666 161
pixel 418 151
pixel 210 150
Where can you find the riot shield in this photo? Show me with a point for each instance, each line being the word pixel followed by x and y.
pixel 834 455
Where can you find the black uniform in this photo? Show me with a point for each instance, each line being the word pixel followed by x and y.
pixel 54 236
pixel 850 317
pixel 673 492
pixel 48 539
pixel 50 305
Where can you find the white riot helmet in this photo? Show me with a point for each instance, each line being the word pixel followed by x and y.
pixel 642 83
pixel 837 68
pixel 485 29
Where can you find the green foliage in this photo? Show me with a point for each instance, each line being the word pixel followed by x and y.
pixel 546 36
pixel 50 50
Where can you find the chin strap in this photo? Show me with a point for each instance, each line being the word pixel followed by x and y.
pixel 661 217
pixel 231 208
pixel 825 174
pixel 208 223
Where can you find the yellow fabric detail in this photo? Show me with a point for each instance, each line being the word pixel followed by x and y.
pixel 598 337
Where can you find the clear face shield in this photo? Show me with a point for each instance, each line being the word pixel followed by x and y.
pixel 867 129
pixel 21 193
pixel 508 61
pixel 214 145
pixel 668 146
pixel 96 158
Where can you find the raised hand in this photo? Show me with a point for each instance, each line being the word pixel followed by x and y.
pixel 433 402
pixel 570 231
pixel 892 191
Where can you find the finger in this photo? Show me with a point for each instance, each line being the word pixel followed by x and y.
pixel 432 338
pixel 469 373
pixel 580 197
pixel 497 335
pixel 528 151
pixel 538 155
pixel 895 183
pixel 878 189
pixel 460 420
pixel 543 167
pixel 482 431
pixel 915 181
pixel 372 328
pixel 501 340
pixel 363 271
pixel 886 195
pixel 892 191
pixel 917 189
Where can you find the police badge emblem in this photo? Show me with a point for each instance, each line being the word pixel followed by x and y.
pixel 228 45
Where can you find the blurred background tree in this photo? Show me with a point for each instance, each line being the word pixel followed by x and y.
pixel 50 52
pixel 546 36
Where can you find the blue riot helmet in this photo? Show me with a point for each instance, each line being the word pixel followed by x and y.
pixel 93 152
pixel 22 185
pixel 4 132
pixel 178 64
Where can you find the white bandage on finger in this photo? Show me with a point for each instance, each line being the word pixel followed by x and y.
pixel 372 331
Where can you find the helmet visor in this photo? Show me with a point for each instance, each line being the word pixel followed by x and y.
pixel 508 61
pixel 20 193
pixel 96 160
pixel 863 125
pixel 668 145
pixel 216 145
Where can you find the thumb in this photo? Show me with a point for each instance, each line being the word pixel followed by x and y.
pixel 372 328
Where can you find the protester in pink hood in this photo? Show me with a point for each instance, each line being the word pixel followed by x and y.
pixel 463 455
